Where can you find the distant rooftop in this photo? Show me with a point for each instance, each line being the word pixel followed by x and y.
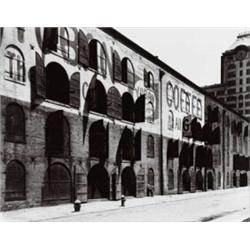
pixel 242 39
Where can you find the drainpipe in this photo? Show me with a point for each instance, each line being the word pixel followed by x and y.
pixel 161 74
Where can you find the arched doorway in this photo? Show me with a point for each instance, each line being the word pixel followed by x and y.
pixel 199 181
pixel 186 181
pixel 57 185
pixel 98 183
pixel 210 181
pixel 128 182
pixel 243 179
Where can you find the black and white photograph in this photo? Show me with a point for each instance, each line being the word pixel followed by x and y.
pixel 94 127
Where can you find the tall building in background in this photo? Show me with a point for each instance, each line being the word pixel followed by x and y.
pixel 234 89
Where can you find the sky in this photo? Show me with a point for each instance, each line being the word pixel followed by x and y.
pixel 193 52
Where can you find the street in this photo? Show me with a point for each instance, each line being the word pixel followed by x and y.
pixel 219 205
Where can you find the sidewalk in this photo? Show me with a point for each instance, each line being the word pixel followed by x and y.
pixel 66 210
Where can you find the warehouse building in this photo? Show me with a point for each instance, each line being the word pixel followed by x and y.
pixel 86 113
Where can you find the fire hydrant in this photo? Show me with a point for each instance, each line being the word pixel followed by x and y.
pixel 123 201
pixel 77 205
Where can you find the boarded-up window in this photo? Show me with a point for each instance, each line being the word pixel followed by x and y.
pixel 14 124
pixel 50 39
pixel 75 90
pixel 83 49
pixel 114 103
pixel 150 147
pixel 57 135
pixel 138 146
pixel 117 67
pixel 140 109
pixel 128 74
pixel 15 182
pixel 127 107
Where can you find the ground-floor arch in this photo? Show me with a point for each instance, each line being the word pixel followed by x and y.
pixel 57 187
pixel 128 182
pixel 98 183
pixel 210 180
pixel 199 181
pixel 243 179
pixel 234 179
pixel 186 181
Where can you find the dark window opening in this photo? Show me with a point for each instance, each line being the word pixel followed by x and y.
pixel 127 145
pixel 14 124
pixel 170 179
pixel 57 83
pixel 96 98
pixel 199 181
pixel 127 107
pixel 210 181
pixel 186 181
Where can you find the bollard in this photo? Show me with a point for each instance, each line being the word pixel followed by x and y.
pixel 123 201
pixel 77 205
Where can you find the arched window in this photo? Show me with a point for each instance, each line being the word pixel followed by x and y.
pixel 97 140
pixel 97 57
pixel 15 181
pixel 170 179
pixel 57 135
pixel 63 42
pixel 170 94
pixel 14 123
pixel 150 147
pixel 128 74
pixel 170 120
pixel 127 107
pixel 150 112
pixel 150 79
pixel 96 97
pixel 248 64
pixel 15 64
pixel 57 83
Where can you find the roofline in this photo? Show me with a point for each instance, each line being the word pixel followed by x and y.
pixel 129 43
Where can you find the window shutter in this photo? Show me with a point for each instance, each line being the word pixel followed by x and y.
pixel 93 54
pixel 75 90
pixel 138 146
pixel 114 103
pixel 145 78
pixel 83 49
pixel 140 109
pixel 50 39
pixel 40 88
pixel 117 67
